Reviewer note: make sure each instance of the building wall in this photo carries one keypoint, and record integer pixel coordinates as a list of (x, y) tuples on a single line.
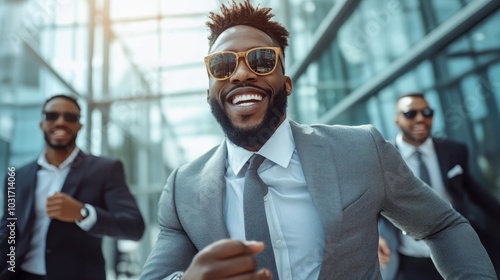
[(449, 50)]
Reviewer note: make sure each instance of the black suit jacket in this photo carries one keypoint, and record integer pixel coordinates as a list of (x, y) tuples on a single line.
[(462, 188), (466, 196), (72, 253)]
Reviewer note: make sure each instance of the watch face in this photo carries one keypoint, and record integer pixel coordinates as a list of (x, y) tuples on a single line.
[(84, 212)]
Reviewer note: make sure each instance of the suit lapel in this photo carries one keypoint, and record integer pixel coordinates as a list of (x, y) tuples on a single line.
[(75, 175), (317, 159), (213, 190), (443, 158)]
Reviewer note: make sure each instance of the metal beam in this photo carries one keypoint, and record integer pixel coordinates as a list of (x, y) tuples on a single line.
[(149, 97), (324, 35), (90, 73), (49, 67), (158, 17), (439, 38)]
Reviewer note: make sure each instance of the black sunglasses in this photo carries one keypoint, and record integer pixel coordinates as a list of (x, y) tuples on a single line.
[(411, 114), (262, 61), (68, 117)]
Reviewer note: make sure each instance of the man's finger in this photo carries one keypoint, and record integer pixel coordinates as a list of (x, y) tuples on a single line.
[(255, 246), (240, 264), (228, 248), (54, 199), (53, 213)]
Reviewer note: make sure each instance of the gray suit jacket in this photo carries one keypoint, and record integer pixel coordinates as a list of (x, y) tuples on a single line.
[(352, 174)]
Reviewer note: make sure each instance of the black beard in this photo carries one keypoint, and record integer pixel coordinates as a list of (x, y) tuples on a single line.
[(67, 146), (413, 139), (258, 135)]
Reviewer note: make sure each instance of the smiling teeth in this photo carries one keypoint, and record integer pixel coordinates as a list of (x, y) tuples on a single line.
[(60, 132), (419, 127), (246, 98)]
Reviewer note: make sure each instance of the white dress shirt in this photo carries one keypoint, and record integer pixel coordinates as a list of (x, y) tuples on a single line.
[(50, 180), (410, 246), (295, 228)]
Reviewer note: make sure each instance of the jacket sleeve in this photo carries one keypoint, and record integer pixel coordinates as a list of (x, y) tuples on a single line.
[(119, 217), (478, 194), (173, 250)]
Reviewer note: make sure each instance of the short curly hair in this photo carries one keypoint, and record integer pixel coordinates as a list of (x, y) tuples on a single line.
[(63, 96), (246, 14)]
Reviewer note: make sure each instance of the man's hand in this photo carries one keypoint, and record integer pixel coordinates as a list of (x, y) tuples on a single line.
[(63, 207), (384, 252), (227, 259)]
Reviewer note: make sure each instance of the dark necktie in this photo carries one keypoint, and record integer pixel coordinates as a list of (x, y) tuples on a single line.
[(423, 173), (256, 227)]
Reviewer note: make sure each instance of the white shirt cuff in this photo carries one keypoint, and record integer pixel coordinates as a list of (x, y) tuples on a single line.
[(87, 223)]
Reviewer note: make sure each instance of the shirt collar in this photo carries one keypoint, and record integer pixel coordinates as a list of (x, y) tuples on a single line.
[(42, 160), (278, 149), (406, 149)]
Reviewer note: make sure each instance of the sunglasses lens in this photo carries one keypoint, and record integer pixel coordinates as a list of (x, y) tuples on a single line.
[(410, 114), (70, 117), (428, 113), (49, 116), (262, 61), (222, 65)]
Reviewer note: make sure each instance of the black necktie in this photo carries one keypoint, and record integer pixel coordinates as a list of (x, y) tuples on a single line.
[(423, 173), (256, 227)]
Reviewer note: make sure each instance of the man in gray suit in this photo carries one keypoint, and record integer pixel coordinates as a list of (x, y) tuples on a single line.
[(323, 186)]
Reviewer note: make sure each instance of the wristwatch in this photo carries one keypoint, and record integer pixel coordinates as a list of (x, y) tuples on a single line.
[(84, 212), (178, 276)]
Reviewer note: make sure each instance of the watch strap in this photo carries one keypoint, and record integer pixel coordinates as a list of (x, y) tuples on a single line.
[(178, 275)]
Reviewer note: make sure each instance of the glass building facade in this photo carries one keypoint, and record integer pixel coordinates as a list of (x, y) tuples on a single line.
[(382, 49), (137, 69)]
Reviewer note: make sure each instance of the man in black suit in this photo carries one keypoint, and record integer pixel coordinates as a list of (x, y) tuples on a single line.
[(66, 201), (444, 167)]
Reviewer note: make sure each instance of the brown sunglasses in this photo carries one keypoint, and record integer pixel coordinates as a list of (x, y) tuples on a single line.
[(262, 61)]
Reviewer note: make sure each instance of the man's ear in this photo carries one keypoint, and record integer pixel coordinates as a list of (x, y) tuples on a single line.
[(288, 85), (396, 116)]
